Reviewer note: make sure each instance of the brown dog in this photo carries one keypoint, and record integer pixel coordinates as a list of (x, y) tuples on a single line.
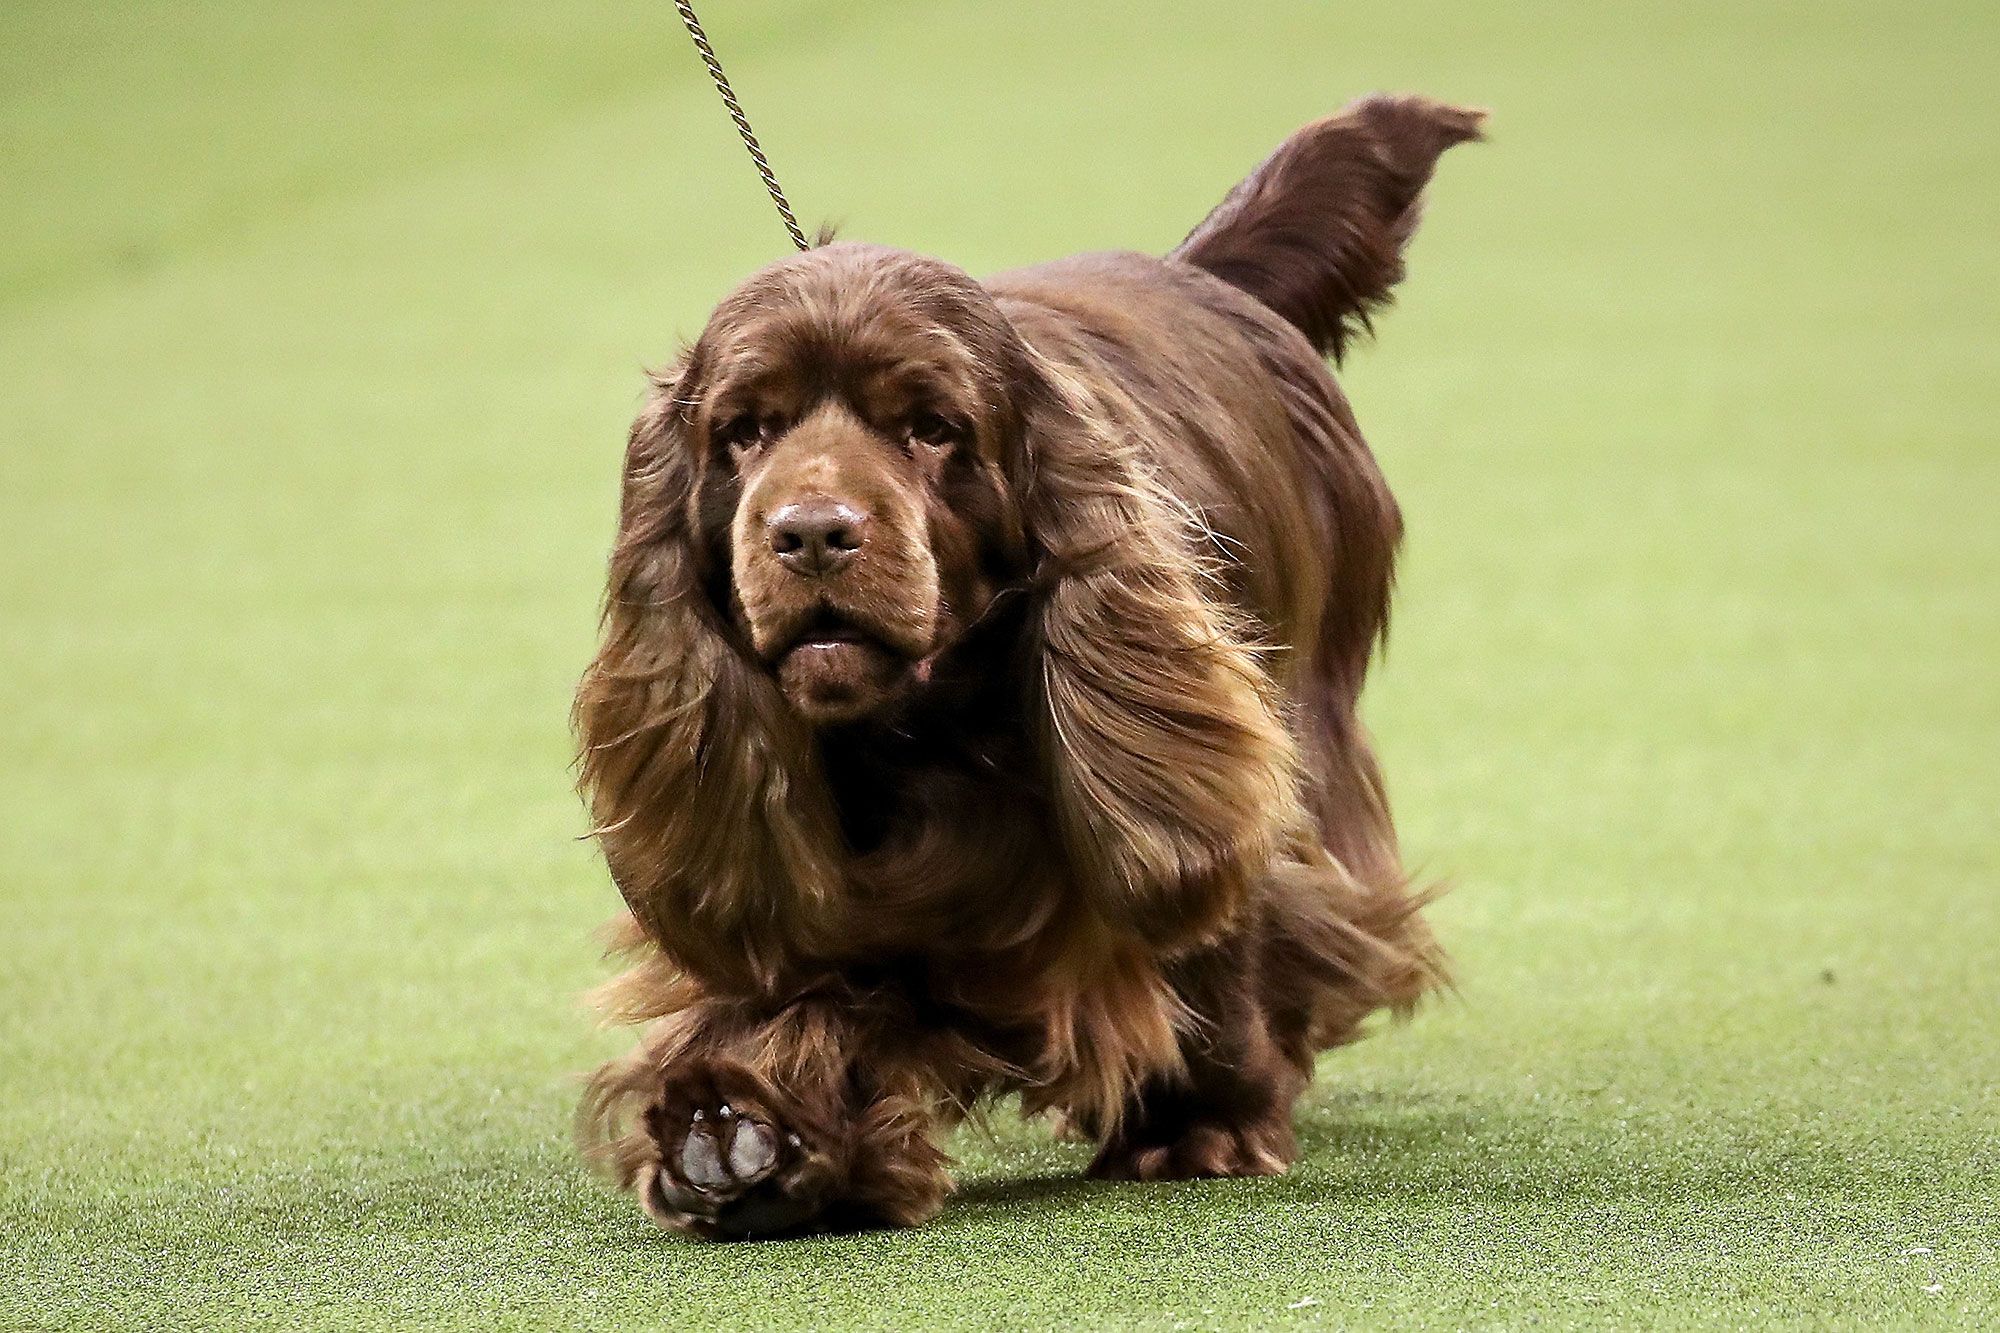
[(976, 707)]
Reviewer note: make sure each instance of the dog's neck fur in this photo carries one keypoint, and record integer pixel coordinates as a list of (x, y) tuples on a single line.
[(965, 727)]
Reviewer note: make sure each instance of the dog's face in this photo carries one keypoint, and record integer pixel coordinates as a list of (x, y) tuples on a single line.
[(852, 413)]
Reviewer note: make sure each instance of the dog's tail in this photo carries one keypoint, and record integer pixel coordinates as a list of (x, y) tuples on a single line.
[(1317, 232)]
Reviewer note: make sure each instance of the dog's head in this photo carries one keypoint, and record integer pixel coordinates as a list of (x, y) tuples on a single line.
[(857, 457), (847, 422)]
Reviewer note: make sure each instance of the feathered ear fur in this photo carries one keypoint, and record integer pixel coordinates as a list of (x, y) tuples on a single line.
[(714, 820), (1173, 777), (1317, 232)]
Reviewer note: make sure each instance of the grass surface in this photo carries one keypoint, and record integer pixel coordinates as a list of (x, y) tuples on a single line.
[(318, 334)]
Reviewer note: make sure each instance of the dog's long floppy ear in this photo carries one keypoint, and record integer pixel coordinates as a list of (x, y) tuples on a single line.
[(1317, 232), (711, 811), (1174, 778)]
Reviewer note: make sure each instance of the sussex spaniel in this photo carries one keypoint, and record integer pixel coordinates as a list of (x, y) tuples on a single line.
[(976, 706)]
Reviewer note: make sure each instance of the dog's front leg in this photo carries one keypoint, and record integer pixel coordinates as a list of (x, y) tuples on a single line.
[(809, 1117)]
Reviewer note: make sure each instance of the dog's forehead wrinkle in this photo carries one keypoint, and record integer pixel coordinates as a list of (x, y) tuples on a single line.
[(746, 361), (870, 375)]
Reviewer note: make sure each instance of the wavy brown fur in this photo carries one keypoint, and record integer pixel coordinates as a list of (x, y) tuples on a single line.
[(1317, 232), (975, 711)]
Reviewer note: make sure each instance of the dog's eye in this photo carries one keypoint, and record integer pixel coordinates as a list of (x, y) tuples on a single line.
[(934, 430), (746, 430)]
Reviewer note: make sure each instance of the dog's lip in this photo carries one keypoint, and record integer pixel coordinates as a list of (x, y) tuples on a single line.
[(828, 629), (829, 637)]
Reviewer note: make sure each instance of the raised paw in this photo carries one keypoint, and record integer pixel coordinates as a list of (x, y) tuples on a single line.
[(1202, 1149), (736, 1158)]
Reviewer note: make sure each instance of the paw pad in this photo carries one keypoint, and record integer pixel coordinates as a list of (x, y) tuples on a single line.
[(728, 1151)]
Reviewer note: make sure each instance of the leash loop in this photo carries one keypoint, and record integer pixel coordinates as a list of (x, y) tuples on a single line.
[(735, 109)]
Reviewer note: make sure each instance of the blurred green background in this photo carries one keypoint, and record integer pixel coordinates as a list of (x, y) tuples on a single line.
[(319, 329)]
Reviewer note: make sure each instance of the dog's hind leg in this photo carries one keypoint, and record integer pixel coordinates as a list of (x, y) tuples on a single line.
[(1229, 1111), (1316, 955)]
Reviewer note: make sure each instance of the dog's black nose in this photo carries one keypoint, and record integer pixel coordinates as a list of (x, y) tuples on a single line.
[(815, 536)]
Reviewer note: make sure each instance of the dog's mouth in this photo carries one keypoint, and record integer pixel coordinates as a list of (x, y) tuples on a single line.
[(833, 668), (827, 629)]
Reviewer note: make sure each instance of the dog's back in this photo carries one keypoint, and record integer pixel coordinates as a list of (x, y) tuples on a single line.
[(1315, 238), (1216, 354)]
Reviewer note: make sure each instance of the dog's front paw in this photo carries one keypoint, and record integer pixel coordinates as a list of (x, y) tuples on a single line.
[(736, 1157)]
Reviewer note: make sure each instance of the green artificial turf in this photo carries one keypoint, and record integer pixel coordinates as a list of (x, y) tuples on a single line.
[(318, 334)]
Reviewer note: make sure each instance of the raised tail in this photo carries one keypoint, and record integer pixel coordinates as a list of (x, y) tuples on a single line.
[(1317, 232)]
